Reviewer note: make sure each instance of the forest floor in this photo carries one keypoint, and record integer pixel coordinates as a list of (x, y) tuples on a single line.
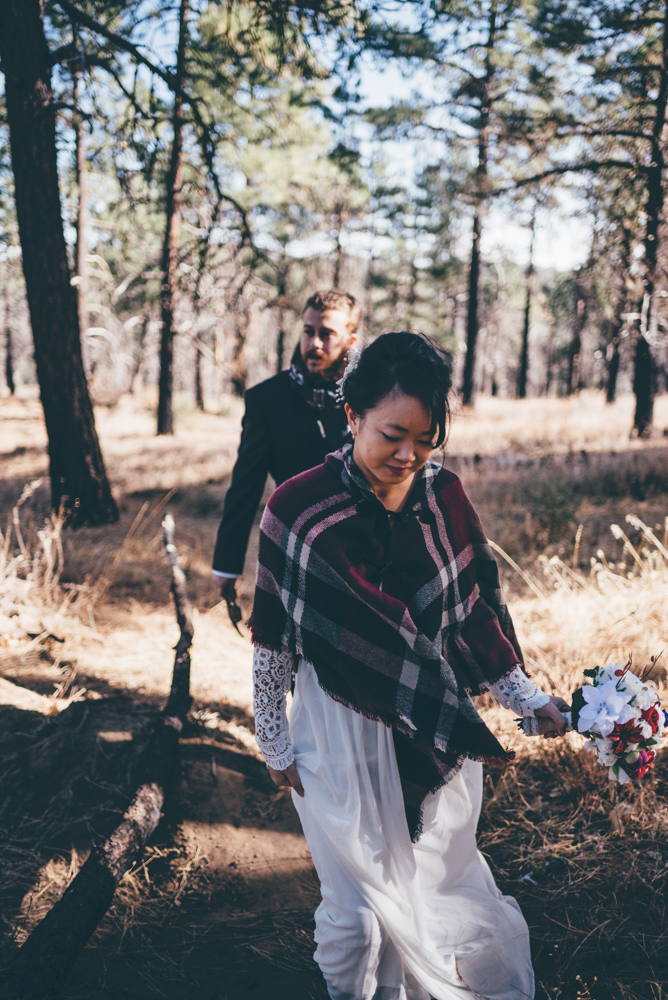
[(221, 905)]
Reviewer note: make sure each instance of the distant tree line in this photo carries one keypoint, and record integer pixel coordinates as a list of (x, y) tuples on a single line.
[(175, 177)]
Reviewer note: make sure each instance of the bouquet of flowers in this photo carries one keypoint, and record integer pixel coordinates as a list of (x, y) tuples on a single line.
[(621, 717)]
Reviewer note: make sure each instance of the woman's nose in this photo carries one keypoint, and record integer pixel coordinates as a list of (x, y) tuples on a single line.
[(405, 451)]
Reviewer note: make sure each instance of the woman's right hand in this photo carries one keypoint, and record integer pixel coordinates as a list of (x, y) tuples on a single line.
[(554, 710), (289, 778)]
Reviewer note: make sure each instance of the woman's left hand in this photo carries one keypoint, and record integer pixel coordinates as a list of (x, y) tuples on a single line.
[(554, 710)]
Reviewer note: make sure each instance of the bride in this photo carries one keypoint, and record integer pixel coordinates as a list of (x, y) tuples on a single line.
[(377, 588)]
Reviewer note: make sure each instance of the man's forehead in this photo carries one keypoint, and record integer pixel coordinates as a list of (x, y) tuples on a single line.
[(326, 317)]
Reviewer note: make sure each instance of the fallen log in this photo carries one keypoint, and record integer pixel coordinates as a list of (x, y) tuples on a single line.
[(44, 960)]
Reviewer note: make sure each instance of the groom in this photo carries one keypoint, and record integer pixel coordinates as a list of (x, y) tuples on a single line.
[(291, 422)]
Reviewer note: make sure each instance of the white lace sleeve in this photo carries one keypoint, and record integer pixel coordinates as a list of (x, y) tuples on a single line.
[(272, 673), (518, 692)]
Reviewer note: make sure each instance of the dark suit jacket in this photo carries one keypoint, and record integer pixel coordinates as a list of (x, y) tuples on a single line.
[(282, 435)]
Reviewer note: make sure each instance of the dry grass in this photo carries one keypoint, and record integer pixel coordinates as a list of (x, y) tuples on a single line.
[(534, 427), (587, 861)]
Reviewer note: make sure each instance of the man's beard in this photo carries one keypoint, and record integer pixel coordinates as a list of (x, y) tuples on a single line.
[(331, 374)]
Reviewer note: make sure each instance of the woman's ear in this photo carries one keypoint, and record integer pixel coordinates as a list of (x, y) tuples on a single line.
[(353, 419)]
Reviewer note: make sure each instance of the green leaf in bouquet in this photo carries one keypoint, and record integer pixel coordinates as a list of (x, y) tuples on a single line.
[(591, 671), (649, 743), (577, 702)]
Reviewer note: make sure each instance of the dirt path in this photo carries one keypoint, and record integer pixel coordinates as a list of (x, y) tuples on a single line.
[(222, 904)]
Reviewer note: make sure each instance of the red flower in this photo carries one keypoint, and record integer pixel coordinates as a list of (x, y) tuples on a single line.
[(642, 765), (651, 715), (621, 736)]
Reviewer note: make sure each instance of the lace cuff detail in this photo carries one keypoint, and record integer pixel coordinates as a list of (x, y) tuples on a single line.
[(272, 674), (518, 692)]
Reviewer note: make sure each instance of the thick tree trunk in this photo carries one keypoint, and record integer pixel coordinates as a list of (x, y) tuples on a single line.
[(472, 322), (170, 250), (523, 373), (78, 477)]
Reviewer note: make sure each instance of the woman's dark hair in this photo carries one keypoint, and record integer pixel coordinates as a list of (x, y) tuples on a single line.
[(407, 361)]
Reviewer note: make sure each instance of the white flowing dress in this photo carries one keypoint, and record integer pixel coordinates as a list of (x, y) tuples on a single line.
[(398, 920)]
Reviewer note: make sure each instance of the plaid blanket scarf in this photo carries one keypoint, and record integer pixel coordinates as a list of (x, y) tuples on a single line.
[(402, 622)]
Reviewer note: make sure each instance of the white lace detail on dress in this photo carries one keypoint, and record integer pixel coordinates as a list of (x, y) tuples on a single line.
[(272, 674), (518, 692)]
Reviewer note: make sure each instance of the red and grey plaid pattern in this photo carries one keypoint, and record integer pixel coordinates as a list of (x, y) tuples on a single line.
[(409, 654)]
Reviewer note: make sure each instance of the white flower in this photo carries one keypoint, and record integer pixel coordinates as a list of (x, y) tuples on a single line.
[(607, 759), (645, 698), (605, 706), (622, 777), (645, 730), (631, 682)]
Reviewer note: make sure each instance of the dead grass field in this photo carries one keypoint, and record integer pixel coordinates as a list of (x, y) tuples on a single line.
[(221, 905)]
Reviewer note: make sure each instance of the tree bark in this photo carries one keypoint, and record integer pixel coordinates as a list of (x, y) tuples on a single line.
[(78, 477), (472, 323), (524, 353), (170, 250)]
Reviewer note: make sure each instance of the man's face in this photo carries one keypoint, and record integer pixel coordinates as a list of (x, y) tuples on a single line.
[(325, 339)]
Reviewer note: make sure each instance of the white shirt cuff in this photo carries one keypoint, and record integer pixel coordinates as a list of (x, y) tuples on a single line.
[(224, 576)]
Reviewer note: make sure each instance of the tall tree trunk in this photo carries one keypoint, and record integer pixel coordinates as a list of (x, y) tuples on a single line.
[(472, 313), (78, 476), (643, 381), (341, 217), (613, 371), (238, 361), (281, 302), (170, 250), (472, 323), (81, 254), (9, 352), (280, 343), (199, 396), (614, 337), (524, 353), (575, 346), (643, 387)]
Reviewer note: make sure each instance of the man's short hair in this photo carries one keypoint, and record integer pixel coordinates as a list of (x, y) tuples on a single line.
[(334, 298)]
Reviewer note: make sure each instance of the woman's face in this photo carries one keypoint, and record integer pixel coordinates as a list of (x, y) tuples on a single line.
[(393, 440)]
